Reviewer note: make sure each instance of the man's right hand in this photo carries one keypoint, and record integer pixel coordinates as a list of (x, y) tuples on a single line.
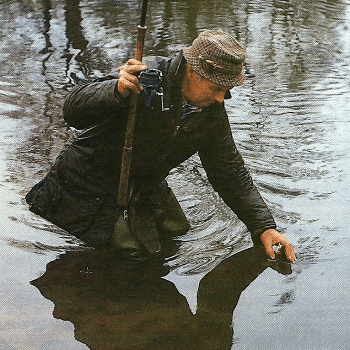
[(127, 81)]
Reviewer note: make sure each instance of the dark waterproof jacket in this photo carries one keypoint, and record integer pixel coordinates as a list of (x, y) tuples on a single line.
[(86, 174)]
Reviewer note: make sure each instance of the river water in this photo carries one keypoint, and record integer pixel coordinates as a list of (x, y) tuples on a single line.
[(290, 121)]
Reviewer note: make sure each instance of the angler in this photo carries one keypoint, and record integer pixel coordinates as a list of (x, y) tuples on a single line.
[(180, 111)]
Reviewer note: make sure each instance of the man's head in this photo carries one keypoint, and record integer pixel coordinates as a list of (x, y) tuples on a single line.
[(214, 66)]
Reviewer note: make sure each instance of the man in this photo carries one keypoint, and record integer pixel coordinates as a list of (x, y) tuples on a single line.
[(183, 113)]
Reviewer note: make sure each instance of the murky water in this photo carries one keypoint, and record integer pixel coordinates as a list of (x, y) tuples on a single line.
[(290, 121)]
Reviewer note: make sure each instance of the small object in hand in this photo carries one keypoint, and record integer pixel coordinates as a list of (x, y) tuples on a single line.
[(280, 264), (280, 253)]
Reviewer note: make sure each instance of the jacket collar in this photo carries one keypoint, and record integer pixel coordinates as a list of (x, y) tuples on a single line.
[(174, 76), (176, 69)]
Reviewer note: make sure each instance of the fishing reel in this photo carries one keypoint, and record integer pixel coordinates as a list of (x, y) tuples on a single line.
[(151, 80)]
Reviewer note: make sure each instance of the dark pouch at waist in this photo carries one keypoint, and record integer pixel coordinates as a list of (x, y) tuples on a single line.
[(157, 213)]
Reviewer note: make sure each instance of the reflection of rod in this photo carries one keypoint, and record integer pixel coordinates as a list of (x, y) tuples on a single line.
[(47, 19), (48, 49), (75, 37), (74, 30)]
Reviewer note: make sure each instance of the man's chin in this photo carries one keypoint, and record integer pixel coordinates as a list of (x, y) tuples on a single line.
[(202, 104)]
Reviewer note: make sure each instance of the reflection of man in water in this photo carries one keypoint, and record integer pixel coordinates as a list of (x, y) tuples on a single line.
[(182, 115), (115, 306)]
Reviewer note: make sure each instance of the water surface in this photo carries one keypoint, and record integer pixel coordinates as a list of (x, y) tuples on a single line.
[(290, 122)]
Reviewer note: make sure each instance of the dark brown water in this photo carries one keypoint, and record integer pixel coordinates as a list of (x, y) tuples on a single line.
[(290, 121)]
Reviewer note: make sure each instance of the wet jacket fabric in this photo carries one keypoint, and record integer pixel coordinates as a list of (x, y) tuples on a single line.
[(84, 180)]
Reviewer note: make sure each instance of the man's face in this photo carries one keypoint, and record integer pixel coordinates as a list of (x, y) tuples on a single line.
[(200, 91)]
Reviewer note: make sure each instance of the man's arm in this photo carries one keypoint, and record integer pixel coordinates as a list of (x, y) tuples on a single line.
[(89, 104), (229, 177)]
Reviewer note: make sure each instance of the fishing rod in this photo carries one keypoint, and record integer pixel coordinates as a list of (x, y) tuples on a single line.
[(122, 237), (127, 151)]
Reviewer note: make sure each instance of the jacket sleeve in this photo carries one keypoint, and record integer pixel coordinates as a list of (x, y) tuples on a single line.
[(230, 178), (90, 104)]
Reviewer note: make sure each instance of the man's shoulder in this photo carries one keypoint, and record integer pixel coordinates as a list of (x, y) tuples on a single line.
[(218, 117), (218, 109), (168, 65), (157, 62)]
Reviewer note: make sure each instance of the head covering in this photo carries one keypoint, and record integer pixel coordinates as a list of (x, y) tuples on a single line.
[(217, 56)]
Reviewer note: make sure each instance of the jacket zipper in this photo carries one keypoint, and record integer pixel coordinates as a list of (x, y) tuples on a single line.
[(176, 130), (178, 127), (188, 115)]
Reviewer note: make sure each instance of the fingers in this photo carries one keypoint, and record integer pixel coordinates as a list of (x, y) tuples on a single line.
[(133, 67), (133, 64), (271, 237), (128, 81), (289, 251), (269, 251)]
